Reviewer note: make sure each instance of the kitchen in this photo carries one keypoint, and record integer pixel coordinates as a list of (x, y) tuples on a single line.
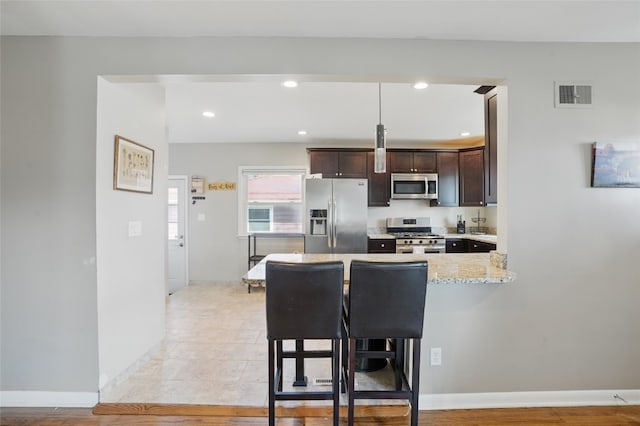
[(218, 246)]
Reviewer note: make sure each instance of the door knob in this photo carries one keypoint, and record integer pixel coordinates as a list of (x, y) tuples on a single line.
[(181, 245)]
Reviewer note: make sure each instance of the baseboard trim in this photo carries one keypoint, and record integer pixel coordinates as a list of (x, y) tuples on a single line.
[(528, 399), (426, 401), (302, 410), (48, 399)]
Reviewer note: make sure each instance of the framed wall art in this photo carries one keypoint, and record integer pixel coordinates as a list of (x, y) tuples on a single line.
[(132, 166), (616, 165)]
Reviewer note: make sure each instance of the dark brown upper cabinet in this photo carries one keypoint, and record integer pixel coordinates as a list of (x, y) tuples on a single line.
[(412, 161), (448, 179), (379, 184), (338, 163), (491, 147), (472, 177)]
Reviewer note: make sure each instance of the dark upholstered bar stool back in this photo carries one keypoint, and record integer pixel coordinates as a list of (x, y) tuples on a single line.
[(386, 300), (303, 301)]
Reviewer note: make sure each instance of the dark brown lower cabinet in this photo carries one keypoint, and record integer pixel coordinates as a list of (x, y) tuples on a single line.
[(480, 247), (382, 245), (457, 245), (463, 245)]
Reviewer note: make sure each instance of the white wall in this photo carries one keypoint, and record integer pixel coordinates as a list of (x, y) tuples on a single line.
[(131, 273), (48, 314), (570, 320)]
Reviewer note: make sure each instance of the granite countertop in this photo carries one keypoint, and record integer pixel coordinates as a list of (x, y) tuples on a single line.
[(486, 238), (460, 268), (381, 236)]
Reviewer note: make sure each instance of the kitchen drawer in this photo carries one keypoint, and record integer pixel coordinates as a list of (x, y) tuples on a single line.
[(457, 245), (387, 245)]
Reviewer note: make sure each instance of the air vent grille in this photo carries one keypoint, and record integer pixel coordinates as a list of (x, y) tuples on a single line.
[(573, 94), (322, 381)]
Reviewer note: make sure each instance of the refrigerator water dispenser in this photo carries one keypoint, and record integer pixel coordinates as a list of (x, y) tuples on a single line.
[(318, 225)]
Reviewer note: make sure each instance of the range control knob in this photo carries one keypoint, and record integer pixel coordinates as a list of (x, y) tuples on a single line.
[(420, 242)]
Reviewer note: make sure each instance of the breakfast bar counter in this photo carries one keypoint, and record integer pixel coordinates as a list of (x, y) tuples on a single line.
[(461, 268)]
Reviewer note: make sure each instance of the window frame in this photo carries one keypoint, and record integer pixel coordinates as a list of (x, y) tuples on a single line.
[(243, 171)]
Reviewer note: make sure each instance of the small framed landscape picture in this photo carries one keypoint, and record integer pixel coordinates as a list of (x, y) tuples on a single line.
[(132, 166), (616, 165)]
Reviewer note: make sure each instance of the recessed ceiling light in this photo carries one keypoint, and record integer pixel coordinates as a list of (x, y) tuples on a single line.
[(465, 134), (302, 132), (420, 85), (290, 83), (209, 114)]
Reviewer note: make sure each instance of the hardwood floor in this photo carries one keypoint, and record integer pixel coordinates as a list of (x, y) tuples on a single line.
[(567, 416)]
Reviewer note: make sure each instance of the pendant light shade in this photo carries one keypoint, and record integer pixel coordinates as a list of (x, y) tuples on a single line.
[(380, 153)]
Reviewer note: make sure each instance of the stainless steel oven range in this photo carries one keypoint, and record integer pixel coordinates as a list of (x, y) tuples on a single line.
[(413, 235)]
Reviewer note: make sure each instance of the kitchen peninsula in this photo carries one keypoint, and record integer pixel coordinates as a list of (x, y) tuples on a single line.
[(464, 268)]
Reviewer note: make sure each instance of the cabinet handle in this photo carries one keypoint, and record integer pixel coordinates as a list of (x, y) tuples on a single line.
[(381, 245)]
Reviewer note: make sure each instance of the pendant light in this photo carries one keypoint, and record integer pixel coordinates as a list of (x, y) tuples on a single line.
[(380, 155)]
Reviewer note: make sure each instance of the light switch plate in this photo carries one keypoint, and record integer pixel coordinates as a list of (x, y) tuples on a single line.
[(436, 356), (135, 228), (201, 217)]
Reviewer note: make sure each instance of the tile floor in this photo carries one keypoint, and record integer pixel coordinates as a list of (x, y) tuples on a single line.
[(215, 353)]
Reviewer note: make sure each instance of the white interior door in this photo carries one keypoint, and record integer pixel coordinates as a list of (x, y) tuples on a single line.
[(177, 226)]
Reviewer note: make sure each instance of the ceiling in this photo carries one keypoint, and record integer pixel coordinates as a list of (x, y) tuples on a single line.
[(503, 20), (328, 112), (265, 111)]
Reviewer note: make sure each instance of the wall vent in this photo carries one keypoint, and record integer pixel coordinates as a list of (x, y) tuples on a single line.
[(322, 381), (573, 94)]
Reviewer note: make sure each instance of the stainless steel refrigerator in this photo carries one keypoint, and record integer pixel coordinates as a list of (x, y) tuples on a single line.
[(336, 216)]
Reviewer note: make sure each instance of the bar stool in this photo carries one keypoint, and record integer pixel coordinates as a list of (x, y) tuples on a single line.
[(386, 300), (303, 301)]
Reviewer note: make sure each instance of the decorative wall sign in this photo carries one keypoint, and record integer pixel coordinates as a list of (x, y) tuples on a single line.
[(132, 166), (222, 186), (616, 165)]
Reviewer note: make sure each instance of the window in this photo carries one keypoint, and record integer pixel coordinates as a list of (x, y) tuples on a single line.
[(271, 200), (173, 213), (260, 218)]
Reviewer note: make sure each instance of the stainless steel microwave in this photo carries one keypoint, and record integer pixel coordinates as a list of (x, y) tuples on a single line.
[(414, 186)]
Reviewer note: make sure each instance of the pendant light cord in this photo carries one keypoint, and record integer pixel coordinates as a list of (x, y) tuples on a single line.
[(380, 102)]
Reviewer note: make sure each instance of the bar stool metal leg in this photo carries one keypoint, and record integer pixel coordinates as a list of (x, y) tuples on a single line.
[(415, 381), (272, 379), (336, 381), (351, 384)]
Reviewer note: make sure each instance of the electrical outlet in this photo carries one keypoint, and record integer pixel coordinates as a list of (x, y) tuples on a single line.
[(436, 356)]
